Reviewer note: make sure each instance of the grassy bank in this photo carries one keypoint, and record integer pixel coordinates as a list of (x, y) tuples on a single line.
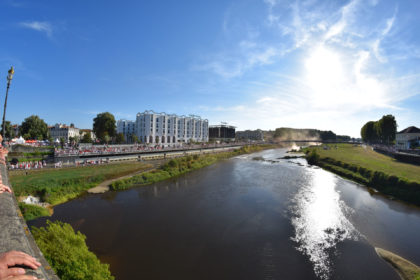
[(176, 167), (365, 166), (56, 186), (406, 269), (31, 212)]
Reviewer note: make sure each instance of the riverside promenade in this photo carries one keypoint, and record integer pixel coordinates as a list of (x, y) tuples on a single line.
[(14, 232)]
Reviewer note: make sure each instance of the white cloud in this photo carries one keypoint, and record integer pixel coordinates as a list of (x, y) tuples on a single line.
[(41, 26), (376, 44), (337, 82), (271, 3), (247, 55)]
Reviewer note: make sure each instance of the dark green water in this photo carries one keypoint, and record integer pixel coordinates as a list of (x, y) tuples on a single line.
[(246, 219)]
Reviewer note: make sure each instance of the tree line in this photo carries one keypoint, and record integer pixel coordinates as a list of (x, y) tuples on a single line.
[(35, 128), (382, 131)]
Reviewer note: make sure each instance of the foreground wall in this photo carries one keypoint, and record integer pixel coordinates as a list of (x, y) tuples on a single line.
[(15, 235)]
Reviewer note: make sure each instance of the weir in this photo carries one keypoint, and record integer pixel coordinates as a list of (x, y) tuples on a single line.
[(15, 234)]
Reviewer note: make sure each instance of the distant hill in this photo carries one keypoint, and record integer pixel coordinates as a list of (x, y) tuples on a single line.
[(287, 133)]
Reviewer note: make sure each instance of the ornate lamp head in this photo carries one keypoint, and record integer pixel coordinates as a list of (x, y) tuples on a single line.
[(10, 75)]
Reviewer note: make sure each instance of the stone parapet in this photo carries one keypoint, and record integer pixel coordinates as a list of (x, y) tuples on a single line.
[(14, 232)]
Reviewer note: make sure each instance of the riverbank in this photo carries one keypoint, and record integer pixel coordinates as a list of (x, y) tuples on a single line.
[(365, 166), (56, 186), (406, 269), (179, 166), (105, 185)]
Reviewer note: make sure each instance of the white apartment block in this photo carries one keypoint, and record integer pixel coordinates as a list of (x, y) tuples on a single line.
[(169, 129), (59, 131), (127, 128)]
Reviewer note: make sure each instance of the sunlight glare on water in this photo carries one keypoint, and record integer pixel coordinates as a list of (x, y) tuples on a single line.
[(318, 216)]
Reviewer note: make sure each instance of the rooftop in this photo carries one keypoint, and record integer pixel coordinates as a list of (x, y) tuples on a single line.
[(410, 129)]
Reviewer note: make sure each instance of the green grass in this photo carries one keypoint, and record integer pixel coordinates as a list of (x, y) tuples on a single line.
[(57, 186), (31, 212), (176, 167), (369, 159), (363, 165)]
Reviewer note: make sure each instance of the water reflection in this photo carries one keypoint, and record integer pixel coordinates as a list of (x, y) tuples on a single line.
[(319, 219)]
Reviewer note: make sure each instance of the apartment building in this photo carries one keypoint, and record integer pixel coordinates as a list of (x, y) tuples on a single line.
[(166, 129)]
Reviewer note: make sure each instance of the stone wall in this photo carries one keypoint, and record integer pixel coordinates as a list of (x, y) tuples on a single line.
[(15, 234)]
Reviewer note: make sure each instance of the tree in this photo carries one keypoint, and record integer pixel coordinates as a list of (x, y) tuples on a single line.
[(34, 127), (68, 254), (327, 135), (104, 125), (73, 140), (387, 126), (120, 138), (9, 130), (62, 142), (369, 132), (134, 138), (382, 131), (87, 138)]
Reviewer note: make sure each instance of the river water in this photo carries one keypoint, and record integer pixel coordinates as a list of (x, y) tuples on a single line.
[(246, 219)]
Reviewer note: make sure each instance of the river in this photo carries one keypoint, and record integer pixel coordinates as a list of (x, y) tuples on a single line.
[(246, 219)]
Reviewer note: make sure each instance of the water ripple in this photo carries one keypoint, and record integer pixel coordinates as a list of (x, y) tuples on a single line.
[(319, 219)]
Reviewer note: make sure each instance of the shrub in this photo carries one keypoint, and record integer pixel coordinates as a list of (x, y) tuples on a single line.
[(312, 157), (67, 253), (172, 163)]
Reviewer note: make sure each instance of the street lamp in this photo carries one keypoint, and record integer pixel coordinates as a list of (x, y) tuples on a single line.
[(9, 79)]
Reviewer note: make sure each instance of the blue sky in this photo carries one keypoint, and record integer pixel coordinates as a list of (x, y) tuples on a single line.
[(252, 63)]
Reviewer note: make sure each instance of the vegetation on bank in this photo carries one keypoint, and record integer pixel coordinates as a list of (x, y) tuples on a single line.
[(365, 166), (56, 186), (20, 153), (30, 211), (406, 269), (66, 251), (176, 167)]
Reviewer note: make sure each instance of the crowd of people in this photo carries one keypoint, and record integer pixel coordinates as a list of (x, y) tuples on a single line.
[(123, 149), (28, 165), (389, 149)]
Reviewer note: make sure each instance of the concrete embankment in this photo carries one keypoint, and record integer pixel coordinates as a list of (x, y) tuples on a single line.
[(15, 235), (141, 155)]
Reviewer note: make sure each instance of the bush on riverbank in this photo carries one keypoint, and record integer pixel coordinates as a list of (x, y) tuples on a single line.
[(179, 166), (393, 185), (66, 251), (56, 186), (31, 212), (312, 157)]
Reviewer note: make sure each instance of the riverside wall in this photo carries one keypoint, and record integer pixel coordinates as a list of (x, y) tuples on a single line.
[(15, 234), (144, 155)]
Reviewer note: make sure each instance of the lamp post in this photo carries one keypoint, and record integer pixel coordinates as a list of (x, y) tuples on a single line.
[(9, 79)]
